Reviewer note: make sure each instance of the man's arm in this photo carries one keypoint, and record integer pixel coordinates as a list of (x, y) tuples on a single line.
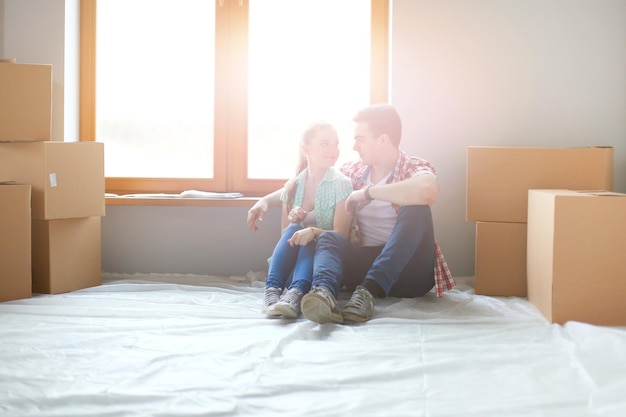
[(421, 189), (258, 210)]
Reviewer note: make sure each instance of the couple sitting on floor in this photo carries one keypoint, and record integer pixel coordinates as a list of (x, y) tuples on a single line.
[(390, 250)]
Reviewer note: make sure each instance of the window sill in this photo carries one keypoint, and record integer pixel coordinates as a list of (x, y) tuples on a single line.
[(182, 202)]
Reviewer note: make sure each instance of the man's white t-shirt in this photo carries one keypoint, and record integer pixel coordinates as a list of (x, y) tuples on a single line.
[(376, 220)]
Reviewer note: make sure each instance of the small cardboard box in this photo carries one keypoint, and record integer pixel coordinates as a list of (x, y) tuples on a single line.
[(15, 229), (576, 259), (67, 254), (67, 178), (498, 178), (501, 259), (25, 102)]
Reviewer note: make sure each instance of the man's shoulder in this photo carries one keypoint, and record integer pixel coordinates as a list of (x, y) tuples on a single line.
[(416, 160), (353, 168), (415, 163)]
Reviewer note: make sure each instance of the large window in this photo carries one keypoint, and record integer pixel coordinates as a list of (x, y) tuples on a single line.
[(214, 95)]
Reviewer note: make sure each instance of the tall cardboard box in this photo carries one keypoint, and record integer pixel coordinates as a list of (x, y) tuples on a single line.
[(25, 102), (498, 178), (67, 178), (15, 240), (500, 259), (67, 254), (576, 258)]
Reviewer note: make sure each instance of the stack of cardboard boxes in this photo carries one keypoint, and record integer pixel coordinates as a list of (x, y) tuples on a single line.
[(499, 183), (57, 186)]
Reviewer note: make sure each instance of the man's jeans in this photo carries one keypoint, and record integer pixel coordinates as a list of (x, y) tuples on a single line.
[(403, 267), (288, 261)]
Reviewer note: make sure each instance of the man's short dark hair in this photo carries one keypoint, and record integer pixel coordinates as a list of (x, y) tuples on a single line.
[(382, 119)]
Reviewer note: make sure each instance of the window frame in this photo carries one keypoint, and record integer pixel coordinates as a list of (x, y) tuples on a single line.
[(230, 131)]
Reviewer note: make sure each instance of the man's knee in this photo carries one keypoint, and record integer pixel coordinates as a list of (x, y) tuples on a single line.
[(421, 211)]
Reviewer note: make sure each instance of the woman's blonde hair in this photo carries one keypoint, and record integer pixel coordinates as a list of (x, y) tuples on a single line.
[(305, 139)]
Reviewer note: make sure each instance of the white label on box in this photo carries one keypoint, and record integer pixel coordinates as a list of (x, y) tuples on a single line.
[(53, 180)]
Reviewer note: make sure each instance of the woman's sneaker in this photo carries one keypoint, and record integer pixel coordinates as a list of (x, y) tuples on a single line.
[(270, 298), (289, 304), (321, 307)]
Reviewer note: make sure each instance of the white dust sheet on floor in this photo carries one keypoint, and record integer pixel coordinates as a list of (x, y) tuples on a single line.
[(181, 345)]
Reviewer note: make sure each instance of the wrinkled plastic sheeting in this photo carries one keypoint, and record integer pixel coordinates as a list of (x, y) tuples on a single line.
[(181, 345)]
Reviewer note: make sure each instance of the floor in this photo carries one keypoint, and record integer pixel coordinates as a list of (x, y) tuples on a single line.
[(183, 345)]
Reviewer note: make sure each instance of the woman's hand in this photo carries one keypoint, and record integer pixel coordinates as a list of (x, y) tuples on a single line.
[(258, 210), (297, 215), (256, 213)]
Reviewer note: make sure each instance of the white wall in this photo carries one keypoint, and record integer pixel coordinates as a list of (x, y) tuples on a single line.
[(192, 240), (71, 72), (34, 31), (2, 36), (494, 72), (479, 72)]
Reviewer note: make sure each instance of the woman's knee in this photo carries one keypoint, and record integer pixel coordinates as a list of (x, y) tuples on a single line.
[(291, 229), (330, 239)]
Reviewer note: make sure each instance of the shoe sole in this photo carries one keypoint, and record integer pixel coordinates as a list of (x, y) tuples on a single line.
[(314, 308), (286, 311), (353, 318), (272, 313)]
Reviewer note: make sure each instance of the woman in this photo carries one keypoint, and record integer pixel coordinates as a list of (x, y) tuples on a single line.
[(317, 195)]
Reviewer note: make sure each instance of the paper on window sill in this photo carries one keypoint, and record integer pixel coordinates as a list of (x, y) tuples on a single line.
[(184, 194), (208, 194)]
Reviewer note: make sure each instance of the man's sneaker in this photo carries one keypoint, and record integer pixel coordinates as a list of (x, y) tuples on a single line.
[(270, 298), (320, 306), (360, 307), (289, 304)]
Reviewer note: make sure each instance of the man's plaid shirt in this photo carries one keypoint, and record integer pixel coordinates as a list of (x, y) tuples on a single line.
[(405, 168)]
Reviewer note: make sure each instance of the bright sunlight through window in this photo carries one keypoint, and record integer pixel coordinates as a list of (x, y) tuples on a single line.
[(155, 76), (308, 60)]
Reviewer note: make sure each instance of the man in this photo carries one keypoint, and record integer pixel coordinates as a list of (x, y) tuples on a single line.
[(395, 253)]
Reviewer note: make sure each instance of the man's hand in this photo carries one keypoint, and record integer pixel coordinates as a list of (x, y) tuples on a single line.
[(356, 199), (256, 212), (302, 237)]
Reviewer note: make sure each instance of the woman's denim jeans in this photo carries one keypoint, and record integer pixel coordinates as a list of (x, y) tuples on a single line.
[(403, 267), (287, 262)]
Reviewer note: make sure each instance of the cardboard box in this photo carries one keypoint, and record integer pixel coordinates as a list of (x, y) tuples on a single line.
[(576, 256), (67, 254), (67, 178), (501, 259), (25, 102), (498, 178), (15, 229)]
